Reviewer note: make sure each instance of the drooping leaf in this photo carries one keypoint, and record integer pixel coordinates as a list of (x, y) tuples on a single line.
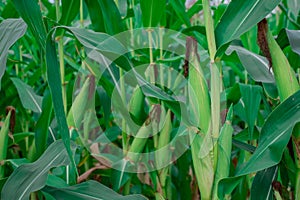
[(275, 134), (90, 190), (294, 38), (10, 31), (240, 16), (30, 12), (31, 177), (256, 65), (29, 99)]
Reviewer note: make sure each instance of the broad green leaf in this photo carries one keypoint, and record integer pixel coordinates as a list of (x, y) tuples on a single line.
[(30, 12), (3, 142), (256, 65), (262, 187), (31, 177), (54, 82), (275, 134), (251, 97), (42, 125), (70, 9), (294, 38), (29, 99), (90, 190), (10, 31), (152, 11), (240, 16)]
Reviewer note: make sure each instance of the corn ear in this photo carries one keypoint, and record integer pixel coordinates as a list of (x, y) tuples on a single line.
[(284, 75), (76, 113), (215, 100), (136, 106), (199, 101), (142, 136), (164, 155), (3, 143), (203, 166)]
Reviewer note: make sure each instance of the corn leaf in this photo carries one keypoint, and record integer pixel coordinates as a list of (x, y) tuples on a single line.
[(29, 99), (54, 83), (262, 187), (256, 65), (31, 177), (294, 39), (90, 190), (251, 97), (42, 125), (11, 31), (275, 134), (240, 16), (31, 14)]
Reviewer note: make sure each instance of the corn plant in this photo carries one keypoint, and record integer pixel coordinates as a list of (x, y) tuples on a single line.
[(149, 99)]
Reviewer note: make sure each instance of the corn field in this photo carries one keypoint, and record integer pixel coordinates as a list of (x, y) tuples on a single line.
[(149, 99)]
